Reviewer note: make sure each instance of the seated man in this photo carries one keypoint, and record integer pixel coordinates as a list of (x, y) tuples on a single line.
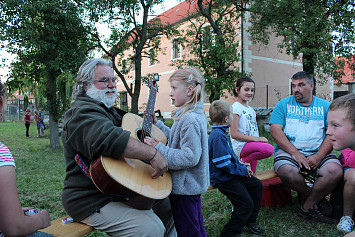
[(92, 128), (298, 125)]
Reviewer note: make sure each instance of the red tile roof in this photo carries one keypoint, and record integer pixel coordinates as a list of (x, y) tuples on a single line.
[(178, 13), (349, 74), (17, 95)]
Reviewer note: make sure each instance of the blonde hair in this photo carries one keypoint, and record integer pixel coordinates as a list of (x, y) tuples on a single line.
[(347, 103), (219, 109), (189, 77)]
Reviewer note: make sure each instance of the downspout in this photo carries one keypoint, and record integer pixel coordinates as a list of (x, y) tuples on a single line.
[(242, 39)]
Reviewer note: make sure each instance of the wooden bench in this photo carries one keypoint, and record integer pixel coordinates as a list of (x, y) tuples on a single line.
[(262, 175), (76, 229)]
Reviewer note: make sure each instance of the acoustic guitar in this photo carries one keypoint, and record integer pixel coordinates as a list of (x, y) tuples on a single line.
[(129, 180)]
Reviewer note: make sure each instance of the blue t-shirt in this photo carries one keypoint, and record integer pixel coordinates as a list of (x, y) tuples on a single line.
[(304, 126)]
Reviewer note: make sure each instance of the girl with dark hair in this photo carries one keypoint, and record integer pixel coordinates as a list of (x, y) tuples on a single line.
[(247, 144)]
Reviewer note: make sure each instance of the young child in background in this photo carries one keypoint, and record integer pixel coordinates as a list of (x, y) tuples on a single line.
[(232, 178), (14, 220), (341, 131), (39, 124), (27, 120), (187, 151), (41, 119), (247, 144)]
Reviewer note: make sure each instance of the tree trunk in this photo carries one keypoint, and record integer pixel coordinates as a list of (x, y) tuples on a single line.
[(52, 109), (308, 66), (137, 84)]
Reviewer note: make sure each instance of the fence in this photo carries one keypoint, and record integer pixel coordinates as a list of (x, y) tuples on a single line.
[(15, 109), (268, 96)]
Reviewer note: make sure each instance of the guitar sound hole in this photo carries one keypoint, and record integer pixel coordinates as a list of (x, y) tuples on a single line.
[(141, 134)]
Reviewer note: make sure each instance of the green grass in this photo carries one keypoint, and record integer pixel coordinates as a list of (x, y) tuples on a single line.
[(40, 175)]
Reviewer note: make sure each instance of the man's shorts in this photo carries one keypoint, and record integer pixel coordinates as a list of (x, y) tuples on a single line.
[(282, 158)]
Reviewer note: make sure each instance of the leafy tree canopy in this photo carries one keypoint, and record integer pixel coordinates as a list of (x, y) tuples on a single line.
[(130, 30), (318, 30), (50, 40), (213, 41)]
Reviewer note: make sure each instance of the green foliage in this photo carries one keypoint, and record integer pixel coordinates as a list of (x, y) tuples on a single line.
[(318, 30), (130, 30), (168, 122), (212, 40), (50, 40)]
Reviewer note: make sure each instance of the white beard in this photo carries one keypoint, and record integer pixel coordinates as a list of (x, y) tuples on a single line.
[(101, 95)]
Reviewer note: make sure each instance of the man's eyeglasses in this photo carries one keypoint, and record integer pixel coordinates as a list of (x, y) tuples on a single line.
[(107, 80)]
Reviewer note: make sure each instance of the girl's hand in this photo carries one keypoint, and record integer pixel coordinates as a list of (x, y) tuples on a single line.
[(151, 141), (45, 218), (250, 173), (263, 139), (155, 120), (26, 209)]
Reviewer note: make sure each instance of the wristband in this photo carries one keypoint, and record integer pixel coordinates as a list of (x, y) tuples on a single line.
[(156, 150)]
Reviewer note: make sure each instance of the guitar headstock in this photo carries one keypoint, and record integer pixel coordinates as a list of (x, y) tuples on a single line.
[(153, 82)]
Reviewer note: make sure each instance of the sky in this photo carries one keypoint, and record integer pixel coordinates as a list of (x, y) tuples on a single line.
[(6, 58)]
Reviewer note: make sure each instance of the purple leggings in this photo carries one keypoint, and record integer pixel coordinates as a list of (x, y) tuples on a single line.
[(187, 215), (254, 151)]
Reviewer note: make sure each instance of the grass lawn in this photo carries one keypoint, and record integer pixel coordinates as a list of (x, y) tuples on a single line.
[(40, 175)]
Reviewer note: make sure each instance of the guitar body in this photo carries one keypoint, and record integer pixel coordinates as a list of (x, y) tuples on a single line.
[(131, 178), (133, 123)]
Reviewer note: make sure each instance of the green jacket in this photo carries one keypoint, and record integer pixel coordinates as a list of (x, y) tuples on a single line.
[(90, 130)]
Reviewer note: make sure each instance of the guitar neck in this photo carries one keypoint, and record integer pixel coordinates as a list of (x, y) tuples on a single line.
[(148, 117)]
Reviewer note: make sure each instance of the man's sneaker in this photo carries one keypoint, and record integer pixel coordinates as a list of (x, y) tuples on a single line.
[(254, 228), (314, 214), (325, 207), (345, 224)]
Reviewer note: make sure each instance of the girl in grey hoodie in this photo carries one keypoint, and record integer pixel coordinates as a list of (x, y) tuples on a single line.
[(186, 151)]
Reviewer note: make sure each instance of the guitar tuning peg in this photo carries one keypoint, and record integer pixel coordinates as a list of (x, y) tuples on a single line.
[(156, 77)]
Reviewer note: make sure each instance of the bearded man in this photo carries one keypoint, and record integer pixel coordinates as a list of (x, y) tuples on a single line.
[(92, 128), (298, 125)]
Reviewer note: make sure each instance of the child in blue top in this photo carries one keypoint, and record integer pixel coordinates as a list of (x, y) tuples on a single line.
[(187, 151), (232, 178)]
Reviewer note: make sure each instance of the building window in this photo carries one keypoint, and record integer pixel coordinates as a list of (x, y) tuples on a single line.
[(176, 49), (152, 57), (123, 100), (132, 65), (124, 68), (208, 38)]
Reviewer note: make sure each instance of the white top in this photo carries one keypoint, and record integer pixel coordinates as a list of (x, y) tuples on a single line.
[(5, 159), (6, 156), (247, 125)]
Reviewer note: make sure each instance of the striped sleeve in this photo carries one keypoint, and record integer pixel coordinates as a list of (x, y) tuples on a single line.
[(222, 159), (6, 156)]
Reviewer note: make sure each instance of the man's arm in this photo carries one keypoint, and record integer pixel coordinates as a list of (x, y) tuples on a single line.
[(138, 150), (282, 141), (324, 150)]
